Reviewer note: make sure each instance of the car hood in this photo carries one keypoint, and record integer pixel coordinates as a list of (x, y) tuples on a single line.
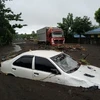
[(86, 76)]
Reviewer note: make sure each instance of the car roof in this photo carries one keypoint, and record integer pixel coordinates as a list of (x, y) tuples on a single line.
[(42, 53)]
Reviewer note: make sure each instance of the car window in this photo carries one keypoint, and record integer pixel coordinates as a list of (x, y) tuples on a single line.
[(44, 64), (65, 62), (24, 61)]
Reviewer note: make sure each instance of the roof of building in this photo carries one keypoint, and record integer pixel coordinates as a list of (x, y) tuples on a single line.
[(94, 31), (78, 36)]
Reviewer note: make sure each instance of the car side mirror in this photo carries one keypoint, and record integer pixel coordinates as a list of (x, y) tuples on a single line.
[(55, 71)]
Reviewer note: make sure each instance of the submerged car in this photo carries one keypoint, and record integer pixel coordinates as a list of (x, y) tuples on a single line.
[(52, 66)]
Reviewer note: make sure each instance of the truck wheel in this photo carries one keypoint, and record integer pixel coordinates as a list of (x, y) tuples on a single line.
[(47, 43)]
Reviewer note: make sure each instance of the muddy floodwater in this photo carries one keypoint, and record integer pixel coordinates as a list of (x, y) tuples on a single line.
[(17, 48), (13, 88)]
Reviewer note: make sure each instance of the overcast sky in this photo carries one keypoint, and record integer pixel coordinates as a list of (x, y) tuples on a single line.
[(40, 13)]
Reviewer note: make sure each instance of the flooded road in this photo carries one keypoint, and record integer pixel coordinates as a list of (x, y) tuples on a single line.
[(17, 48)]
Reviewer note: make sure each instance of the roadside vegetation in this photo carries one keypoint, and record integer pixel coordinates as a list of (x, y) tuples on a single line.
[(77, 25), (7, 30)]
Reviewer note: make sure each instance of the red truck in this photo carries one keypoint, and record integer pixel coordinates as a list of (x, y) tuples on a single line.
[(51, 35)]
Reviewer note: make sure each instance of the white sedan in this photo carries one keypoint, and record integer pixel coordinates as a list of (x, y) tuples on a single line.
[(52, 66)]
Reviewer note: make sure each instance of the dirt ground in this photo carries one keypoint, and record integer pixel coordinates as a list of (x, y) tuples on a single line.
[(12, 88)]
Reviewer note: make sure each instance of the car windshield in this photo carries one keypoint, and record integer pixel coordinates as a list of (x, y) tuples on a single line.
[(57, 34), (65, 62)]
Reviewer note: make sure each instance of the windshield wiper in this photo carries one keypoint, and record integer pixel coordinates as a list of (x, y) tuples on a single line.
[(72, 70)]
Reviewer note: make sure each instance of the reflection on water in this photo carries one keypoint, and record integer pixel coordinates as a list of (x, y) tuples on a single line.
[(17, 48)]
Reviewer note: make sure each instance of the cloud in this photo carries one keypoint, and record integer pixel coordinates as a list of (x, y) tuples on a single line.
[(39, 13)]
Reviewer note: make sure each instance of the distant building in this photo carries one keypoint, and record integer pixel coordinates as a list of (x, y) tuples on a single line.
[(77, 37), (93, 36)]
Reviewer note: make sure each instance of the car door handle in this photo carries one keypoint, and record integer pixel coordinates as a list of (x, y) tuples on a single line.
[(36, 73), (14, 68)]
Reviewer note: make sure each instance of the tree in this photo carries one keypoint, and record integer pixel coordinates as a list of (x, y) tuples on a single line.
[(97, 16), (81, 25), (6, 29), (66, 25)]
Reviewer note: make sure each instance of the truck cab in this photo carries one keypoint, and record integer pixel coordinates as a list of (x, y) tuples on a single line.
[(55, 36)]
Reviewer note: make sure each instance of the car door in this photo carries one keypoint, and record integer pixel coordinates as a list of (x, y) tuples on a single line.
[(45, 71), (22, 67)]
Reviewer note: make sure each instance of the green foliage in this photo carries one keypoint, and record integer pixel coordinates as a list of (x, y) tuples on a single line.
[(7, 38), (18, 25), (31, 36), (84, 62), (94, 27), (81, 25), (67, 24), (6, 29), (97, 16), (78, 25)]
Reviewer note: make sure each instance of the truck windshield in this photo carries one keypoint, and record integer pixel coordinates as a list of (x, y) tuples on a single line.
[(57, 34), (65, 62)]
